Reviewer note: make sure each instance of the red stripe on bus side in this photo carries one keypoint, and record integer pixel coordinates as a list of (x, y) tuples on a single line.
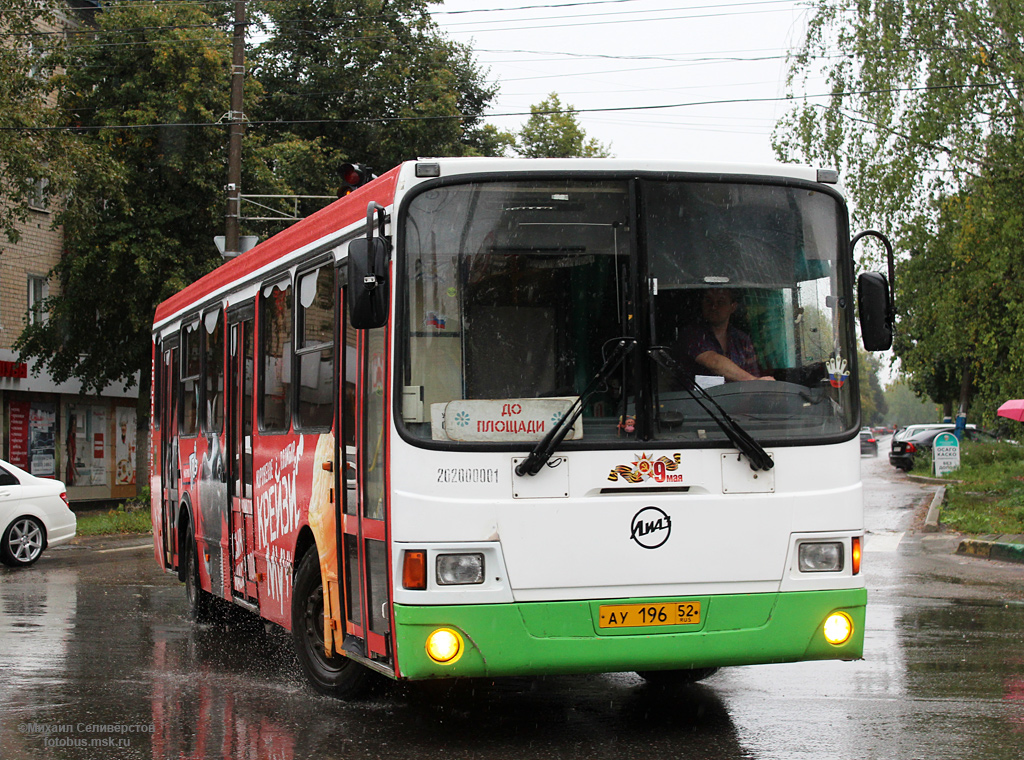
[(337, 216)]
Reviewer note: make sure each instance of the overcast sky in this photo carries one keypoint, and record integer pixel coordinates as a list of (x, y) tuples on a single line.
[(634, 54)]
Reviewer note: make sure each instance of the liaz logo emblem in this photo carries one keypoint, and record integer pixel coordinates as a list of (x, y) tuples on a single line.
[(646, 467), (650, 528)]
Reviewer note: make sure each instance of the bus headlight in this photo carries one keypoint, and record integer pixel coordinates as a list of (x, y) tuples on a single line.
[(820, 557), (838, 628), (459, 569), (444, 646)]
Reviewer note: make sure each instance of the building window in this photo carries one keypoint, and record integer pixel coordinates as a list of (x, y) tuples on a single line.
[(38, 291), (39, 200)]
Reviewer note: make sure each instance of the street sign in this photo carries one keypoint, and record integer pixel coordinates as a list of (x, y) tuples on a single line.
[(945, 453)]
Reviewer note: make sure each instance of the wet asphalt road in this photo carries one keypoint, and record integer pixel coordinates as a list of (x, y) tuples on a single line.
[(98, 661)]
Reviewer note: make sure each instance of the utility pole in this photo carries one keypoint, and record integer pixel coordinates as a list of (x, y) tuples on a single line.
[(236, 129)]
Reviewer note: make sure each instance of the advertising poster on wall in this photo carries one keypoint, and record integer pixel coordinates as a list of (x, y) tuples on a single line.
[(18, 434), (85, 446), (124, 444), (42, 442)]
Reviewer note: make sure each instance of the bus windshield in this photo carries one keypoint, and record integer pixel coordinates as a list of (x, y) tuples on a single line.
[(513, 293)]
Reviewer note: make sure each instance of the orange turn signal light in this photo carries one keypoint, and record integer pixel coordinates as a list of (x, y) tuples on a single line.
[(414, 570), (855, 555)]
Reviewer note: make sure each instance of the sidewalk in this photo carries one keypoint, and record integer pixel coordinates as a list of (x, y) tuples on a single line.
[(998, 546)]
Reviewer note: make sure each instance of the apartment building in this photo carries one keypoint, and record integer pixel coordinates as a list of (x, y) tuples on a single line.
[(53, 429)]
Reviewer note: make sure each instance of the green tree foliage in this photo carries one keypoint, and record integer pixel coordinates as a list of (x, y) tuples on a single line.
[(959, 295), (906, 407), (924, 120), (553, 131), (144, 91), (142, 229), (918, 89), (873, 403), (368, 81)]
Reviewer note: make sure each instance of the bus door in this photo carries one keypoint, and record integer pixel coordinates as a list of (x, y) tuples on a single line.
[(241, 363), (168, 404), (363, 404)]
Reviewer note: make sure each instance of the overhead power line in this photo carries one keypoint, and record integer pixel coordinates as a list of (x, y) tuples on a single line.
[(607, 109)]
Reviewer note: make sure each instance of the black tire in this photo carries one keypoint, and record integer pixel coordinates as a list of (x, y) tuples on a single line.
[(338, 676), (670, 678), (200, 602), (23, 542)]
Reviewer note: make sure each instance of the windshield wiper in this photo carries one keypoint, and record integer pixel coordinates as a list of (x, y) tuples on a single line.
[(757, 456), (541, 453)]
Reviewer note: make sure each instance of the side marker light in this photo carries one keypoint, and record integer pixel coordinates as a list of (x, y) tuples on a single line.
[(414, 570)]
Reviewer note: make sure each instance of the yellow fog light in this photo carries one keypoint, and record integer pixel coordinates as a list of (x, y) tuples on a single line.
[(838, 628), (444, 646)]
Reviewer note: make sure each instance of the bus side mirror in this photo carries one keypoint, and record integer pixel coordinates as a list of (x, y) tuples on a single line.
[(368, 287), (875, 309), (876, 298)]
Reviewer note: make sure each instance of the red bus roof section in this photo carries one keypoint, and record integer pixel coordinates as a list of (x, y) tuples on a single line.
[(338, 215)]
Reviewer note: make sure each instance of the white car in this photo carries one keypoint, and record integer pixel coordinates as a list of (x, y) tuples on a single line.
[(34, 514)]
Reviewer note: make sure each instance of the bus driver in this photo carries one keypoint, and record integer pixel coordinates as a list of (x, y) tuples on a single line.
[(716, 345)]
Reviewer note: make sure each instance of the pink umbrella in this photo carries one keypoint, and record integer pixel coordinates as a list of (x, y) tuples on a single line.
[(1014, 409)]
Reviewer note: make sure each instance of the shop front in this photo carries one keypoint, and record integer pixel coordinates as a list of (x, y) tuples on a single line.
[(52, 430)]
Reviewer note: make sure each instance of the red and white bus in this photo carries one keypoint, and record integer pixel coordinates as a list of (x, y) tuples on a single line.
[(464, 422)]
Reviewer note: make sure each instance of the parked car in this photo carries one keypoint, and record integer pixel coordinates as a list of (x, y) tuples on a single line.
[(34, 514), (910, 430), (904, 451), (868, 442)]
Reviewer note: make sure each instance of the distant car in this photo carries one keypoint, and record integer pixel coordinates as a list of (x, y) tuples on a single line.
[(34, 514), (903, 451), (868, 442)]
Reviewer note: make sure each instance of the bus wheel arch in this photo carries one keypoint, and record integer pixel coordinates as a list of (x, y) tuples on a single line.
[(304, 543), (185, 527), (201, 604)]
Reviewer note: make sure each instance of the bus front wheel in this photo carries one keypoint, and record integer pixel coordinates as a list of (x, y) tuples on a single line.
[(669, 678), (336, 676)]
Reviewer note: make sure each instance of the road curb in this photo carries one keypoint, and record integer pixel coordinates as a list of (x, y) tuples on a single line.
[(1004, 551), (934, 481), (931, 521)]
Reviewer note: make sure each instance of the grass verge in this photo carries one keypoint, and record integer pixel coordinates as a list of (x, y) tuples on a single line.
[(131, 517), (990, 498)]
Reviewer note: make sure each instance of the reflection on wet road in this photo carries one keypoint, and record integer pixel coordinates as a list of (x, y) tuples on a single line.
[(98, 661)]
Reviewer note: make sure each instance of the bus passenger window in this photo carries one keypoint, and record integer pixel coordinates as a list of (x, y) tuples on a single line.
[(275, 402), (315, 349), (213, 372), (191, 371)]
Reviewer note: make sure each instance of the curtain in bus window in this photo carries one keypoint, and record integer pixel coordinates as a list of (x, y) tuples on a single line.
[(276, 346), (214, 372), (191, 372), (315, 351)]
